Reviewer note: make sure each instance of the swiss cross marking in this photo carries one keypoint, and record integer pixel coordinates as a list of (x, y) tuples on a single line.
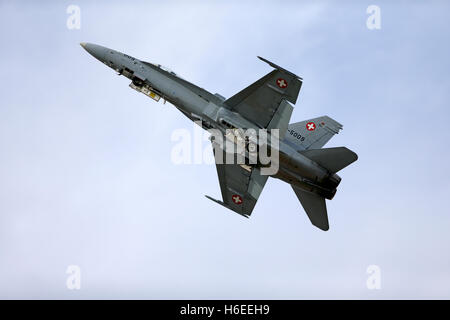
[(237, 199), (281, 83), (310, 126)]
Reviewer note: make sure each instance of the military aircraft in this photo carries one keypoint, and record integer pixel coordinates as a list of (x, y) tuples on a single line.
[(264, 105)]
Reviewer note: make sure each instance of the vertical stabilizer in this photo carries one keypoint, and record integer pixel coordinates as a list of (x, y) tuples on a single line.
[(312, 133)]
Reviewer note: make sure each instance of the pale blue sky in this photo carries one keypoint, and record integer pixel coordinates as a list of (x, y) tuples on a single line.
[(86, 177)]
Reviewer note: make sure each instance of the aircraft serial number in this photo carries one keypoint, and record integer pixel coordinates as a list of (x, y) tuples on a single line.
[(297, 135)]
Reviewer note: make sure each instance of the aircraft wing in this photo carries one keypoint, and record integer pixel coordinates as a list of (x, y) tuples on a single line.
[(260, 101), (241, 186)]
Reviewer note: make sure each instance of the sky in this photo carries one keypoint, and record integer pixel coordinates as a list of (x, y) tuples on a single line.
[(86, 177)]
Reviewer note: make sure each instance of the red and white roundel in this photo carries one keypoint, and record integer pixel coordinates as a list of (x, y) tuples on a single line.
[(281, 83), (236, 198), (310, 126)]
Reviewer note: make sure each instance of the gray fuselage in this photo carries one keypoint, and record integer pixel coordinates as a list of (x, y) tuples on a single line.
[(200, 105)]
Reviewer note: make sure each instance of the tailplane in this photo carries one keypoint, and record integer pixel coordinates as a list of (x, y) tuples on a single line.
[(332, 159), (315, 207), (308, 137)]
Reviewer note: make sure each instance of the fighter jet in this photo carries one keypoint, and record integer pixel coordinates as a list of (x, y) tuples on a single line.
[(267, 104)]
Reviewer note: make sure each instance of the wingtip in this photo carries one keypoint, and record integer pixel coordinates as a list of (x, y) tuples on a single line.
[(215, 200), (273, 65), (226, 206)]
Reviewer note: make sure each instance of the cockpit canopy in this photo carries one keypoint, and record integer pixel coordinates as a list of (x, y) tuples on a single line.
[(165, 69), (160, 66)]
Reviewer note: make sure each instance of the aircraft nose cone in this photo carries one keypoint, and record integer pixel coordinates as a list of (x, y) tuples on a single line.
[(96, 51)]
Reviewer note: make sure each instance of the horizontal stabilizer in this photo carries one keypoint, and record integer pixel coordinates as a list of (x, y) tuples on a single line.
[(333, 159), (315, 207)]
